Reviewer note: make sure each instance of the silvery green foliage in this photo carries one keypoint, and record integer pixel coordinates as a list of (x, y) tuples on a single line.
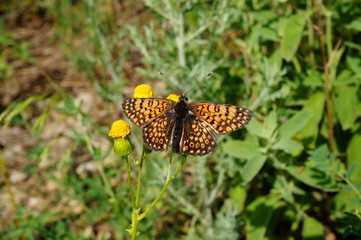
[(190, 30)]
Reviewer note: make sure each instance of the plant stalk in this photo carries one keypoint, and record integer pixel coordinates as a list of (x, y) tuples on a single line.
[(145, 213), (331, 139)]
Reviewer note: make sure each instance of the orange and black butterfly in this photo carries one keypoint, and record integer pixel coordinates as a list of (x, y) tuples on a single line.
[(189, 126)]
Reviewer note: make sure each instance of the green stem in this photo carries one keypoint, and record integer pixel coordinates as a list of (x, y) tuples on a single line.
[(169, 165), (143, 215), (140, 164), (130, 181), (180, 41), (135, 214), (328, 33), (135, 221), (326, 70), (310, 35)]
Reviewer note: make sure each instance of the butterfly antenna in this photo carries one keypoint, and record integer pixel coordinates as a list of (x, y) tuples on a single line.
[(199, 82), (166, 79)]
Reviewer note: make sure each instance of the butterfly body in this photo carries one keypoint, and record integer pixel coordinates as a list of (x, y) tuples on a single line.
[(181, 110), (189, 127)]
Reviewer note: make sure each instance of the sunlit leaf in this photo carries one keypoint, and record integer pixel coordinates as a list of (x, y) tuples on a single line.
[(313, 178), (252, 167), (353, 158), (295, 123), (238, 194), (316, 104), (312, 229), (241, 149), (287, 145), (346, 106), (259, 215), (292, 36)]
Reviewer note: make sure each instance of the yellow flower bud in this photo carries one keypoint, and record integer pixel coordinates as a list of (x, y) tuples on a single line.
[(173, 97), (120, 131), (143, 91), (122, 146)]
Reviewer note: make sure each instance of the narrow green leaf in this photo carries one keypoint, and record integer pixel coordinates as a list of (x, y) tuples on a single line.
[(312, 229), (315, 103), (337, 55), (355, 64), (255, 127), (252, 167), (346, 106), (292, 36), (287, 145), (350, 171), (353, 157), (320, 154), (356, 25), (313, 177), (346, 187), (238, 194), (313, 78), (295, 123), (345, 77), (17, 108), (276, 59), (343, 201), (268, 34), (270, 124), (259, 216), (241, 149)]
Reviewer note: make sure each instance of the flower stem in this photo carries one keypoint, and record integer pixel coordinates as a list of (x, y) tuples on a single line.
[(135, 219), (169, 165), (130, 181), (144, 214), (140, 164)]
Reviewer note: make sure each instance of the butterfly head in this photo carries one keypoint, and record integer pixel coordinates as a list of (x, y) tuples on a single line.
[(183, 97)]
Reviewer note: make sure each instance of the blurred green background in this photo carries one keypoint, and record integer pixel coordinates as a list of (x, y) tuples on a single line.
[(293, 173)]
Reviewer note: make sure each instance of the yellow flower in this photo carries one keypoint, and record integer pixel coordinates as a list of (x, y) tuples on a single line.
[(173, 97), (119, 129), (143, 91)]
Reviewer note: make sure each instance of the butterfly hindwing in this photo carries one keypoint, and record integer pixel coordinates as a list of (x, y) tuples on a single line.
[(141, 111), (197, 137), (223, 118), (157, 134)]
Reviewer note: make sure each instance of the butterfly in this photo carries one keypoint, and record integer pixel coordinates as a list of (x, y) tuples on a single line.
[(190, 127)]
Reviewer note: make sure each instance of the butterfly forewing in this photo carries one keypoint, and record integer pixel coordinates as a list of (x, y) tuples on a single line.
[(223, 118), (141, 111), (197, 137), (157, 134)]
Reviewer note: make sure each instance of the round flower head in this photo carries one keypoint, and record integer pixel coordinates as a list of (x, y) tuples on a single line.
[(173, 97), (143, 91), (120, 131)]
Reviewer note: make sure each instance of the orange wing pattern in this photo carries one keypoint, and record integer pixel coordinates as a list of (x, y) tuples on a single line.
[(141, 111), (197, 138), (158, 133), (223, 118)]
